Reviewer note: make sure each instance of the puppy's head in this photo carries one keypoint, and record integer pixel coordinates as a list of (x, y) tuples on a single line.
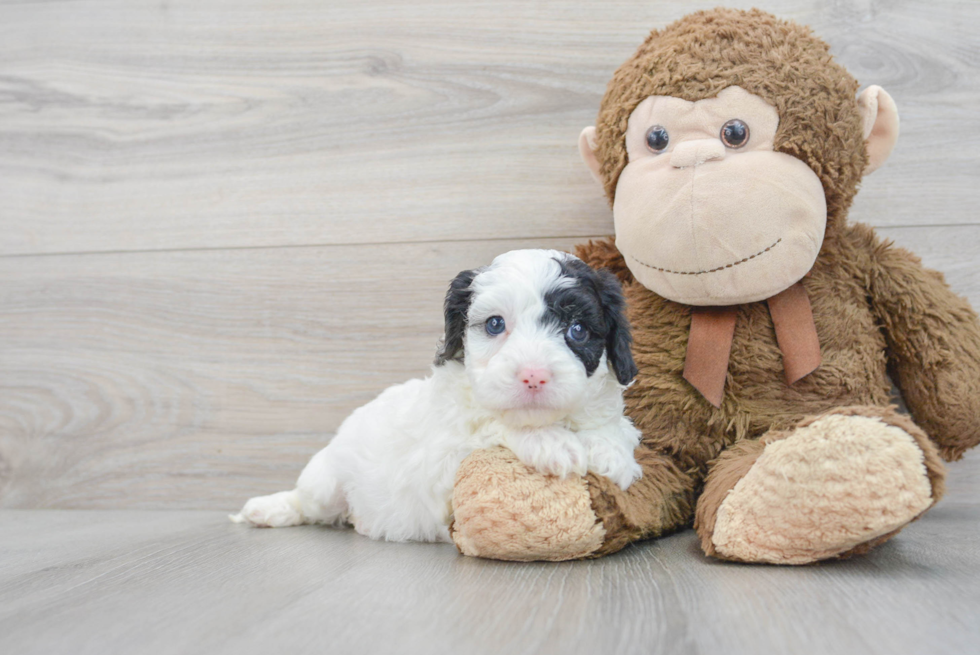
[(537, 331)]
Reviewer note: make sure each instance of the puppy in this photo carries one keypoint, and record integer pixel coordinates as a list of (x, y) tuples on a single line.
[(535, 358)]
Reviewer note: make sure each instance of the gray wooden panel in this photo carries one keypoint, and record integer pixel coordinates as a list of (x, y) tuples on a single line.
[(146, 126), (197, 379), (191, 582)]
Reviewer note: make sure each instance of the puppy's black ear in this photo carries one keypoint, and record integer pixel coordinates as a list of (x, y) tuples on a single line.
[(618, 339), (457, 307)]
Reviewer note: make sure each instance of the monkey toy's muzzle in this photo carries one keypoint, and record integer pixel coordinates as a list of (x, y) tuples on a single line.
[(719, 228)]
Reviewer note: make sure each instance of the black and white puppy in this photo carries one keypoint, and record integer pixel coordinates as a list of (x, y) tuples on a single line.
[(535, 358)]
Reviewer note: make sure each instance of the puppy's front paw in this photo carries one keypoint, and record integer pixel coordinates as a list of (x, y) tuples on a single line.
[(553, 451), (620, 467), (611, 450), (276, 511)]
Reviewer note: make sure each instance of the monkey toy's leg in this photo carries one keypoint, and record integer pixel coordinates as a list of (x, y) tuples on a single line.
[(506, 510), (836, 485)]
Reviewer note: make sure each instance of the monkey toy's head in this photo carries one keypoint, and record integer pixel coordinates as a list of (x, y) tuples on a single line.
[(730, 145)]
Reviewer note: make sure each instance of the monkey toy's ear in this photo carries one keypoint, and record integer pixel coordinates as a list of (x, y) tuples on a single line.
[(586, 148), (880, 125)]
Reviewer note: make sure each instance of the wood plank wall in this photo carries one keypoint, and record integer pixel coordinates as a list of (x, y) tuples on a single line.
[(225, 224)]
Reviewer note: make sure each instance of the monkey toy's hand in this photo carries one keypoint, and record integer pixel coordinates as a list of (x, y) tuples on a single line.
[(505, 509)]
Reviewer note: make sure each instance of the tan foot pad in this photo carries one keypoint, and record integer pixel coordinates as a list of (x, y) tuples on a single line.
[(833, 484), (504, 510)]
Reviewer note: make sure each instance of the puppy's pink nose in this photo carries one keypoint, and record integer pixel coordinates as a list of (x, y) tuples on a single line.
[(534, 378)]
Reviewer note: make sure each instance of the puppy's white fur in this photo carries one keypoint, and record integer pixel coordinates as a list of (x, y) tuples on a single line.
[(389, 470)]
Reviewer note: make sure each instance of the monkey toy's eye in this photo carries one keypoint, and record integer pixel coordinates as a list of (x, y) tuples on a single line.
[(735, 133), (577, 333), (657, 138), (495, 325)]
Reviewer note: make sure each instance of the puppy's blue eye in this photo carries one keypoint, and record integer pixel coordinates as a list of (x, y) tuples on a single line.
[(577, 333), (495, 325)]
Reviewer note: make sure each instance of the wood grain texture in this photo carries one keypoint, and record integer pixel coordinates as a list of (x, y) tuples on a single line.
[(191, 582), (179, 124)]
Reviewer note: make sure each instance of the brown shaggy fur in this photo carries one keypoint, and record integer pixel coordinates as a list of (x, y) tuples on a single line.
[(875, 308)]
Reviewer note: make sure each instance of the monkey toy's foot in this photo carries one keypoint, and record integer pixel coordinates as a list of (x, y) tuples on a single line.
[(504, 509), (836, 485)]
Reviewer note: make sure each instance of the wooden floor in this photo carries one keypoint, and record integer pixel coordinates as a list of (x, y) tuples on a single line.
[(224, 224), (101, 581)]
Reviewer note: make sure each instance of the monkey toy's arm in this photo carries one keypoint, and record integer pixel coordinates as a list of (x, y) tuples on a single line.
[(506, 510), (933, 341)]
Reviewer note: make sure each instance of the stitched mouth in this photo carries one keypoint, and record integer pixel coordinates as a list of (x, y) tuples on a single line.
[(713, 270)]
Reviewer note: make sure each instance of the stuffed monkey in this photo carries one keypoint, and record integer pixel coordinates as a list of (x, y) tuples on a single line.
[(730, 146)]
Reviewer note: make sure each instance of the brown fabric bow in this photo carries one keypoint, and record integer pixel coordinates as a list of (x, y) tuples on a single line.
[(710, 342)]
